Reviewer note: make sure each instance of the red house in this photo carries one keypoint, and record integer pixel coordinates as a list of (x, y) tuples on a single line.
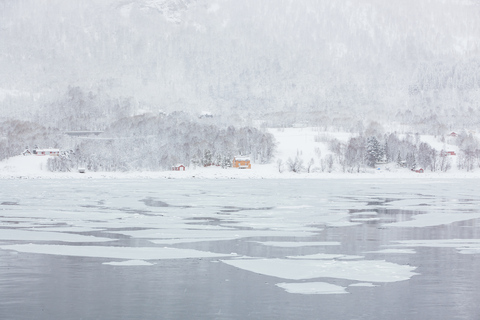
[(242, 163), (447, 153), (46, 152), (178, 167)]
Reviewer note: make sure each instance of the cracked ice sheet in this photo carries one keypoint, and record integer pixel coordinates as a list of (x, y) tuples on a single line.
[(295, 207), (188, 240), (65, 229), (130, 253), (406, 251), (129, 263), (434, 219), (363, 284), (326, 256), (228, 234), (272, 224), (465, 246), (297, 244), (24, 235), (363, 270), (312, 288), (364, 213)]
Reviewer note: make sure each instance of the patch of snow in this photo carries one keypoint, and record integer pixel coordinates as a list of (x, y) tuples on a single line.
[(297, 244), (25, 166), (24, 235), (133, 253), (394, 251), (364, 219), (363, 284), (327, 256), (365, 213), (312, 288), (188, 240), (363, 270), (66, 229), (295, 207), (207, 235)]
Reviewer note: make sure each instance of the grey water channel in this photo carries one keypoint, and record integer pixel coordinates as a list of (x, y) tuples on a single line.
[(239, 249)]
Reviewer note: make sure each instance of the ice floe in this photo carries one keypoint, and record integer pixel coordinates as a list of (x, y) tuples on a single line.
[(24, 235), (394, 251), (435, 219), (363, 284), (172, 233), (293, 269), (465, 246), (327, 256), (129, 263), (131, 253), (286, 244), (312, 288)]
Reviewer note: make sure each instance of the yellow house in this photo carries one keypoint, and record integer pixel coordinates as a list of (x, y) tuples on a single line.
[(242, 163)]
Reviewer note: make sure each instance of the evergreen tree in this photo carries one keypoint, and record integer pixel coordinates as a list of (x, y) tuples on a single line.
[(374, 152), (399, 160), (410, 160)]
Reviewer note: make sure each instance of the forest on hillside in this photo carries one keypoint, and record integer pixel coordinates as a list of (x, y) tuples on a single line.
[(144, 142), (143, 71), (412, 64), (374, 148)]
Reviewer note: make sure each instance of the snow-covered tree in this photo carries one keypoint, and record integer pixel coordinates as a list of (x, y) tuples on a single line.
[(374, 152)]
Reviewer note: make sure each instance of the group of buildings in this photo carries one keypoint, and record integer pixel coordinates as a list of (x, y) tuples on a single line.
[(238, 162)]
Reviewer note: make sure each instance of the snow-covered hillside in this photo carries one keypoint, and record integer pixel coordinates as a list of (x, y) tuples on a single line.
[(317, 62)]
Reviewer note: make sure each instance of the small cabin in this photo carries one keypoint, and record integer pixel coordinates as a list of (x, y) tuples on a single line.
[(447, 153), (178, 167), (46, 152), (453, 134), (242, 163)]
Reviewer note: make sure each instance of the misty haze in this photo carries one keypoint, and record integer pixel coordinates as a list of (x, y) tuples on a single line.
[(221, 159)]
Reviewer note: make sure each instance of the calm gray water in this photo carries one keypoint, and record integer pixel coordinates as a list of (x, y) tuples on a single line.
[(244, 217)]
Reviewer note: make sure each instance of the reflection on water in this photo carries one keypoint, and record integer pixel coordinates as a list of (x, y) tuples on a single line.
[(281, 230)]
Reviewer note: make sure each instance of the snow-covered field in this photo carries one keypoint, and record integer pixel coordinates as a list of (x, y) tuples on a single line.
[(290, 143)]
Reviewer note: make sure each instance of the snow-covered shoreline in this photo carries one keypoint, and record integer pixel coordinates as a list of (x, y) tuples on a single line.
[(35, 168), (291, 142)]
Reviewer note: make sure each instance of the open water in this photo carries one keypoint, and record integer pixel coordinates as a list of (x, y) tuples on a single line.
[(239, 249)]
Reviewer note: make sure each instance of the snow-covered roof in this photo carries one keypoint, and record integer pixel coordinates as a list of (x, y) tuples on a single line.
[(242, 158)]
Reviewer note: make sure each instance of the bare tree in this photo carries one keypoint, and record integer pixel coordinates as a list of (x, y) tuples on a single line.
[(295, 165), (280, 165), (310, 164)]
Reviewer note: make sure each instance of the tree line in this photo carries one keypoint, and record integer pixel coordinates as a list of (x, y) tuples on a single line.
[(157, 142), (408, 151)]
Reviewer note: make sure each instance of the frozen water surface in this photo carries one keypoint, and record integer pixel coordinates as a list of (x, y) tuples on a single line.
[(239, 249)]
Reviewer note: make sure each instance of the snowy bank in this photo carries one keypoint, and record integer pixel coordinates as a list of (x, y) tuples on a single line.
[(306, 143), (33, 167)]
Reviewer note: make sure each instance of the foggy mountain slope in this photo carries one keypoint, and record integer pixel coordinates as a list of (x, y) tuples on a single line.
[(334, 59)]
